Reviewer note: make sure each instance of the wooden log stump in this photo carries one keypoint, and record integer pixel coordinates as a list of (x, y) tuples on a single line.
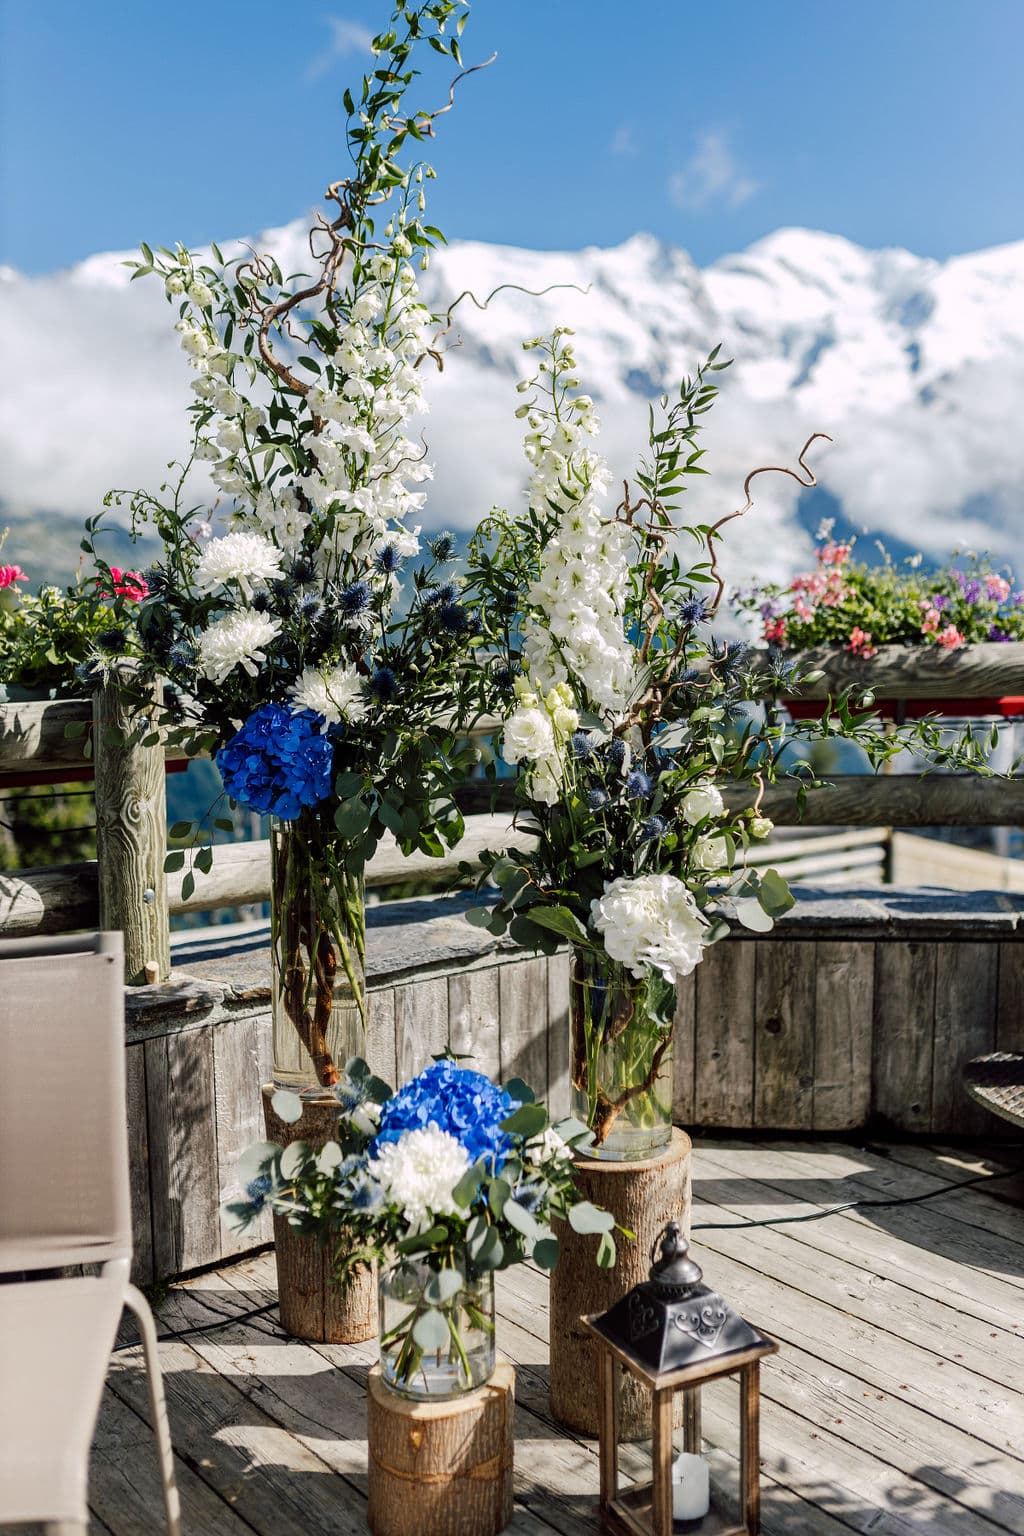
[(312, 1305), (443, 1468), (642, 1196)]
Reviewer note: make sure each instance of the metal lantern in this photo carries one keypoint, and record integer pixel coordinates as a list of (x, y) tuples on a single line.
[(674, 1334)]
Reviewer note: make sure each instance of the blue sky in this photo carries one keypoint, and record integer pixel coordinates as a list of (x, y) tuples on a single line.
[(893, 122)]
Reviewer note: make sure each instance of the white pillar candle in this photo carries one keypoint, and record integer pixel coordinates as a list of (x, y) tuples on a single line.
[(691, 1488)]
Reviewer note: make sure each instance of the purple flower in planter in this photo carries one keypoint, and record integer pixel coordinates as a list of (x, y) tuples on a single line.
[(971, 590), (939, 600), (995, 633), (1018, 599)]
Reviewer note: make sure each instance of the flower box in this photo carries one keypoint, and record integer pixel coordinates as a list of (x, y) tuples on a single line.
[(908, 682)]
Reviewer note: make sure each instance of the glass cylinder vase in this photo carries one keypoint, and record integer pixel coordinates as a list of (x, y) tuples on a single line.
[(436, 1338), (318, 955), (621, 1055)]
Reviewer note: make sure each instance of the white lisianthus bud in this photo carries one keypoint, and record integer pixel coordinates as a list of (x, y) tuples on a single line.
[(402, 245), (254, 418), (226, 399), (200, 295), (760, 826), (204, 449), (174, 286)]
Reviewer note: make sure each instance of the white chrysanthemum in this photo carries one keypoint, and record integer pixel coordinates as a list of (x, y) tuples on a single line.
[(703, 800), (337, 694), (419, 1173), (650, 921), (236, 640), (247, 559)]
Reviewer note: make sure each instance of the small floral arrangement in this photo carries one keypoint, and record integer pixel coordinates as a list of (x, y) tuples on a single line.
[(843, 602), (451, 1173)]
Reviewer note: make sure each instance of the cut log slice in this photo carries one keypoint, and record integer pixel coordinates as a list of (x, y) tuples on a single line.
[(312, 1305), (443, 1468)]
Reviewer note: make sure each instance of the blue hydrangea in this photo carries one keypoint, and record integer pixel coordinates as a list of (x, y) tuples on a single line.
[(279, 762), (464, 1103)]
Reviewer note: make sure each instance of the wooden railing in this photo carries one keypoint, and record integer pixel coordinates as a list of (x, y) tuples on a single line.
[(126, 888)]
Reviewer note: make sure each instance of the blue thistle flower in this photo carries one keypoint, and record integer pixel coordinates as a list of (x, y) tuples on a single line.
[(454, 618), (90, 672), (113, 640), (504, 678), (653, 828), (310, 607), (303, 570), (442, 546), (383, 685), (695, 609), (258, 1190), (597, 799), (388, 561), (355, 598), (581, 746), (441, 596), (616, 752), (638, 784), (182, 656)]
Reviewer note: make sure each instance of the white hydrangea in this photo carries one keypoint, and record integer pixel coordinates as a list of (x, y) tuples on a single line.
[(703, 800), (419, 1172), (247, 559), (650, 921), (337, 694), (236, 640)]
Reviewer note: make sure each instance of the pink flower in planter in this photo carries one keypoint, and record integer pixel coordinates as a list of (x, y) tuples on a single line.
[(860, 643), (9, 574), (834, 554), (775, 631), (997, 587), (950, 638), (127, 584)]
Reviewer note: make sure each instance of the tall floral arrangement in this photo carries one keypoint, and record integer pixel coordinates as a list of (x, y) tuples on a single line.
[(306, 632), (642, 744)]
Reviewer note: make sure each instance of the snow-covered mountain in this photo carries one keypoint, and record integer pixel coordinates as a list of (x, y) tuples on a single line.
[(915, 368)]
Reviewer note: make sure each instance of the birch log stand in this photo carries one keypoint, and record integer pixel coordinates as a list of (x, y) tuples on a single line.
[(441, 1468), (312, 1306), (642, 1196)]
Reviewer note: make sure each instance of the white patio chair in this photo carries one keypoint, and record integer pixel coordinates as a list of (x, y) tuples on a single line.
[(64, 1200)]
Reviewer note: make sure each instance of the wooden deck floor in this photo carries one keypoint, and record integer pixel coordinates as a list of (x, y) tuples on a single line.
[(896, 1405)]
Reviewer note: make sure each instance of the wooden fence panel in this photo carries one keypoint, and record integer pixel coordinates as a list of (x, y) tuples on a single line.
[(784, 1034), (843, 1011), (523, 1001), (966, 978), (904, 1025), (724, 1035), (184, 1172)]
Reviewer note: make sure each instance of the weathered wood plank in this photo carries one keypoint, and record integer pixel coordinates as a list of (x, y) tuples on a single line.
[(966, 978), (724, 1035), (138, 1164), (523, 1003), (843, 1011), (183, 1150), (684, 1045), (32, 734), (381, 1050), (237, 1080), (421, 1024), (895, 800), (989, 669), (784, 1023), (558, 1034), (904, 1027), (473, 1007), (51, 899)]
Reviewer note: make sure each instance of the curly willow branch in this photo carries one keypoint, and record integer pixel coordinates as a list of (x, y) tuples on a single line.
[(763, 469)]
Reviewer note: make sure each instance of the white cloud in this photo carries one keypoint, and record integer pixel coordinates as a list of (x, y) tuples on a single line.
[(346, 37), (710, 176)]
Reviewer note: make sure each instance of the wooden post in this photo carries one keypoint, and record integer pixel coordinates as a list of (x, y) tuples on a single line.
[(131, 836), (642, 1196), (311, 1304), (609, 1432), (441, 1468)]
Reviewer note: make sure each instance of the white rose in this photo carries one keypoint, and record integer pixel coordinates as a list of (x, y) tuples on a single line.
[(703, 801), (528, 736), (760, 826), (709, 853)]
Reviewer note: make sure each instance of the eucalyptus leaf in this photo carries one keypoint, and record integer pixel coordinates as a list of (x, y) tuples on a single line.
[(586, 1217), (519, 1092), (546, 1252), (329, 1157), (605, 1251), (519, 1217), (430, 1331), (443, 1286), (255, 1158), (287, 1106), (527, 1120), (752, 915), (294, 1158)]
